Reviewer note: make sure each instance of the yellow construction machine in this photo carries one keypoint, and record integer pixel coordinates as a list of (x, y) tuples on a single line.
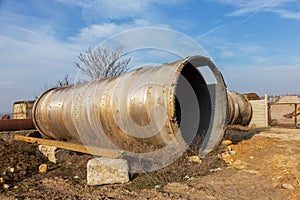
[(292, 114)]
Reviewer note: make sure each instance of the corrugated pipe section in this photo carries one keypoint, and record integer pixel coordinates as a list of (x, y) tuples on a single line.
[(142, 110), (239, 109)]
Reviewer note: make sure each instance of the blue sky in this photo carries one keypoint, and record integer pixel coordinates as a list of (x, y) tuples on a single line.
[(255, 43)]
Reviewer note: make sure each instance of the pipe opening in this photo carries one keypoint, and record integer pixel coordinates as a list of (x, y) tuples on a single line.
[(114, 113), (192, 105)]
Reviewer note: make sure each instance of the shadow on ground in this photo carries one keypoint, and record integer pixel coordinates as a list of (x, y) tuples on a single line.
[(237, 135)]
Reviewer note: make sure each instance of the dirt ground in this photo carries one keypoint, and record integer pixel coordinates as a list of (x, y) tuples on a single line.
[(258, 165)]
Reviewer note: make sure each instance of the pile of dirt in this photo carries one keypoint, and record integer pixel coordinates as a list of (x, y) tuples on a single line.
[(289, 99), (21, 179), (181, 170), (248, 166), (18, 161)]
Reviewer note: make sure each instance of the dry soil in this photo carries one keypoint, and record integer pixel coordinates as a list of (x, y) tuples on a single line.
[(258, 165)]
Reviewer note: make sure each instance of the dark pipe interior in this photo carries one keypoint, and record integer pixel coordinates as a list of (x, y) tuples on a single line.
[(196, 126)]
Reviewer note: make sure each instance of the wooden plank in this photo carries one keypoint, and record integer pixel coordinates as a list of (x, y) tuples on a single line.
[(73, 147)]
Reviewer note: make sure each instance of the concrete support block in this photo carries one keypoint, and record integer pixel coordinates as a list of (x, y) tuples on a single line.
[(107, 171), (53, 154)]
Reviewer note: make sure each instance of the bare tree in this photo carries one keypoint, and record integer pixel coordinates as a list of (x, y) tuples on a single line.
[(102, 62), (60, 83), (64, 82)]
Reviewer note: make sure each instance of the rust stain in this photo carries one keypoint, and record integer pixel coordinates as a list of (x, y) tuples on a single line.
[(16, 124), (118, 110)]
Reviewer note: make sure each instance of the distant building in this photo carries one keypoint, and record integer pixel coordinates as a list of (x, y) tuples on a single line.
[(289, 99), (22, 109), (274, 99), (283, 111)]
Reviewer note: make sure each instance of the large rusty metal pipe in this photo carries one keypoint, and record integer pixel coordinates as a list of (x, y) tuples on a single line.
[(16, 124), (141, 110), (239, 109)]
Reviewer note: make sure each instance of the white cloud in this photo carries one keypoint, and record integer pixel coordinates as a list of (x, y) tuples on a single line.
[(261, 59), (29, 60), (118, 9), (210, 31), (287, 14), (32, 55), (230, 49), (121, 7), (142, 22), (95, 33), (246, 7)]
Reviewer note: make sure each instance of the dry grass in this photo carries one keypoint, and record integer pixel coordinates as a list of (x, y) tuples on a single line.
[(179, 171)]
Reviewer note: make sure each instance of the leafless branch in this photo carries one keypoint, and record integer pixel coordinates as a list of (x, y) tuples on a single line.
[(102, 62), (65, 81)]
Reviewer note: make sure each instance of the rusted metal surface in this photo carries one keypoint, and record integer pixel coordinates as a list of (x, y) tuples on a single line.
[(71, 146), (139, 111), (16, 124), (239, 109)]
